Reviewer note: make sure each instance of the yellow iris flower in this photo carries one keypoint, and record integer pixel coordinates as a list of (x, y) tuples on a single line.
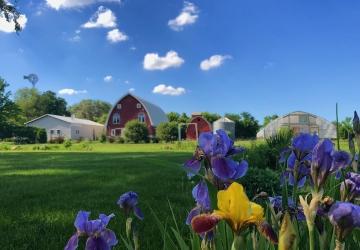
[(236, 209)]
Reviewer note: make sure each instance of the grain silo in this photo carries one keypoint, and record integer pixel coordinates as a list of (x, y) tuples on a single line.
[(225, 124)]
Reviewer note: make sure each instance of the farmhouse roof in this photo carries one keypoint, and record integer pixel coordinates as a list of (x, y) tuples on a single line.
[(66, 119)]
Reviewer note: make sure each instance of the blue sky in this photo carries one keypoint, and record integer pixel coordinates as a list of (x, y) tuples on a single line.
[(260, 56)]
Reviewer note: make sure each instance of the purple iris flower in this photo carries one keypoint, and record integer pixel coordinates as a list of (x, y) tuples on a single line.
[(276, 203), (298, 163), (201, 195), (345, 216), (350, 188), (216, 150), (326, 161), (128, 201), (99, 237)]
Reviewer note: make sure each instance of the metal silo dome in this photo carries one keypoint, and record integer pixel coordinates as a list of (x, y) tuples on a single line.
[(225, 124)]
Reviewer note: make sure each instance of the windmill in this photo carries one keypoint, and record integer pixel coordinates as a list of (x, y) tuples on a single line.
[(32, 78)]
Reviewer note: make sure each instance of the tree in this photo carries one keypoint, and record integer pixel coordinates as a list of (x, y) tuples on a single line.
[(33, 103), (269, 118), (345, 128), (167, 131), (94, 110), (10, 13), (8, 109), (249, 126), (136, 131), (211, 117), (173, 116)]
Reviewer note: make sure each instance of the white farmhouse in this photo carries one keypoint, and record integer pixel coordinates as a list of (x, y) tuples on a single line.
[(67, 127)]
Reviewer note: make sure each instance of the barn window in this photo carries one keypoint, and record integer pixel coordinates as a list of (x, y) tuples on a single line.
[(116, 118), (58, 132), (138, 106), (118, 106), (51, 132), (113, 132), (141, 117)]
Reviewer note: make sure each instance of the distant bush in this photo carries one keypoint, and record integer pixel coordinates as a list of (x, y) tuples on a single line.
[(41, 136), (136, 131), (257, 180), (111, 139), (167, 131), (22, 134), (120, 140), (102, 138), (57, 140), (67, 143)]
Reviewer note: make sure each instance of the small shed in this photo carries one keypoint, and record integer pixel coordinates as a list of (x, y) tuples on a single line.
[(197, 125), (67, 127), (225, 124)]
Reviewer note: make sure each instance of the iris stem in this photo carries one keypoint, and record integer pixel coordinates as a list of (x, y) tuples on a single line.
[(238, 243), (339, 245), (311, 236)]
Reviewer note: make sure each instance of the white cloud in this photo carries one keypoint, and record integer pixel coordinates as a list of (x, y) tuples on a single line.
[(71, 92), (132, 48), (67, 4), (9, 27), (152, 61), (187, 16), (168, 90), (127, 82), (108, 78), (213, 62), (131, 90), (115, 36), (103, 18)]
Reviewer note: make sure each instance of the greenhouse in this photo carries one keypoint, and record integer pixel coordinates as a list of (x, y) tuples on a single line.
[(300, 122)]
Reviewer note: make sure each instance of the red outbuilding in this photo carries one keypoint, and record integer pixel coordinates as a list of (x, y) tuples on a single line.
[(198, 124), (131, 107)]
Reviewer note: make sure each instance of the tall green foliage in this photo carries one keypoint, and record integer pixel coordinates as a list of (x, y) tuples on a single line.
[(136, 131), (95, 110), (167, 131), (8, 109), (33, 103)]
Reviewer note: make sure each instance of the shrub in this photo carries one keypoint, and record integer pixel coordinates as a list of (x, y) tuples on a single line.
[(57, 140), (167, 131), (103, 138), (41, 136), (67, 143), (111, 139), (257, 180), (120, 140), (136, 131)]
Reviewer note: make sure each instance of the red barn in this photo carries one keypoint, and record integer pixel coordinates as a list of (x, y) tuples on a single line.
[(130, 107), (198, 124)]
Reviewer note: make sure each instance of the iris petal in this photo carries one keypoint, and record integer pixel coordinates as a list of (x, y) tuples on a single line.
[(194, 212), (241, 170), (206, 142), (110, 237), (192, 166), (96, 244), (81, 220), (138, 213), (204, 223), (72, 243), (223, 168)]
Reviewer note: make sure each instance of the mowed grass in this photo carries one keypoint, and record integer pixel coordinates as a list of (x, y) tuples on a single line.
[(41, 193)]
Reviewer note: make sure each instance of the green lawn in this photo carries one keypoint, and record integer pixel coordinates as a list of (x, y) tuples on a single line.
[(41, 192)]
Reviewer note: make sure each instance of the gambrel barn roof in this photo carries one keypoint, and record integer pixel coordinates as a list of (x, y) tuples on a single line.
[(156, 114)]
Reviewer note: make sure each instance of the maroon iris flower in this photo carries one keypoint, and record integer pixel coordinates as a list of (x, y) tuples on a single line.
[(98, 236)]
